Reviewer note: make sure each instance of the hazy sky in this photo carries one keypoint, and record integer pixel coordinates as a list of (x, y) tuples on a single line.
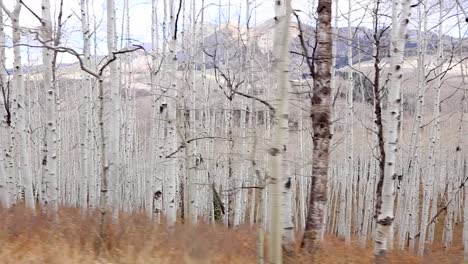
[(140, 16)]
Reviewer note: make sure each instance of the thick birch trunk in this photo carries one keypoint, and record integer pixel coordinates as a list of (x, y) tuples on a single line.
[(321, 111)]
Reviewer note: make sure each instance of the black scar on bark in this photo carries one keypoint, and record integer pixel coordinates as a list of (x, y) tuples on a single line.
[(287, 185), (316, 100), (274, 151), (386, 221), (157, 195)]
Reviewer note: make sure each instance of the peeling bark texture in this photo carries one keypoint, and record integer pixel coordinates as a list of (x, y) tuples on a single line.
[(321, 112)]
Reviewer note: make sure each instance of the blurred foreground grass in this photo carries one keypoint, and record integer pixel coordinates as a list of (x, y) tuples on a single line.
[(70, 238)]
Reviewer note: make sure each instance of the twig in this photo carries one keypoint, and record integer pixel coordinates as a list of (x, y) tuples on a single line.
[(187, 142)]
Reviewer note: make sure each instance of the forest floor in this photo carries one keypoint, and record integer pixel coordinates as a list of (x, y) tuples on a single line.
[(70, 238)]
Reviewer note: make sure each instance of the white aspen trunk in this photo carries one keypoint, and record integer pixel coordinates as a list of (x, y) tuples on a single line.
[(251, 123), (171, 171), (194, 124), (280, 132), (240, 194), (229, 170), (208, 117), (86, 148), (333, 202), (434, 203), (4, 191), (377, 167), (153, 182), (6, 174), (104, 164), (350, 130), (130, 166), (95, 129), (447, 232), (341, 187), (333, 73), (461, 158), (410, 185), (434, 142), (302, 181), (24, 164), (368, 204), (51, 192), (429, 179), (127, 136), (264, 214), (260, 220), (182, 131), (360, 191), (112, 108), (96, 126), (386, 199), (465, 216), (161, 118)]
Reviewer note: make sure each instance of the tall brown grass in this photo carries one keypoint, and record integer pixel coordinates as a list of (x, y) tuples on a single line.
[(70, 238)]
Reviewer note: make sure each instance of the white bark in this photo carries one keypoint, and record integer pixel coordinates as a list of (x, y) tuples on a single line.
[(86, 153), (4, 190), (280, 132), (112, 107), (400, 21), (435, 129), (153, 189), (349, 133), (104, 164), (459, 149), (5, 180), (51, 192), (429, 179), (170, 109), (24, 164)]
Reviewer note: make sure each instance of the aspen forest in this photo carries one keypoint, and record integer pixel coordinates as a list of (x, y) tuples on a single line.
[(233, 131)]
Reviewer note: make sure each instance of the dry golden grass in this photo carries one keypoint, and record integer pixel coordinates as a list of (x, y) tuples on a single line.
[(71, 239)]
